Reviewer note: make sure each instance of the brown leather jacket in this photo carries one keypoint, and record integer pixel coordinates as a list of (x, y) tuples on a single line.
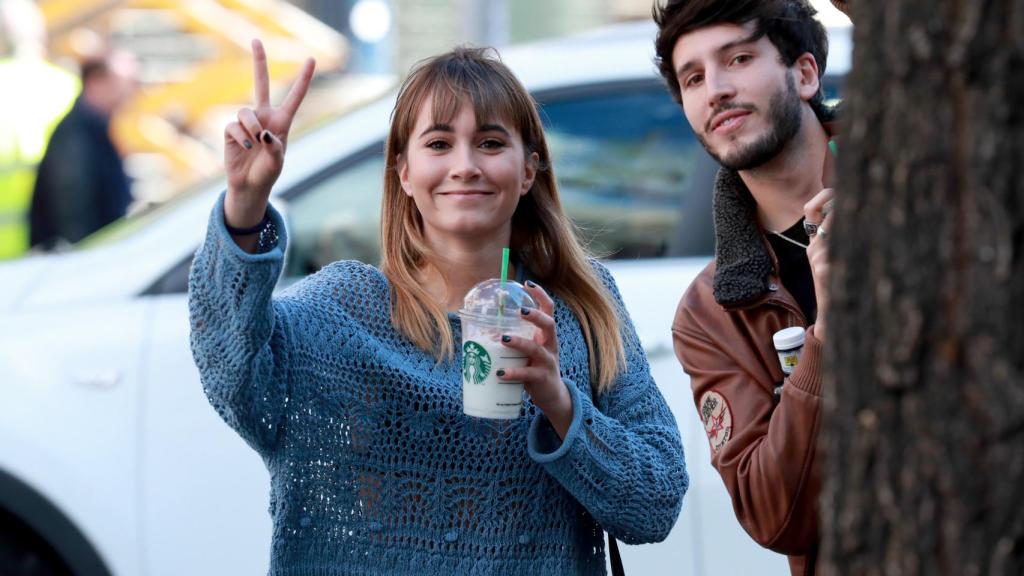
[(763, 445)]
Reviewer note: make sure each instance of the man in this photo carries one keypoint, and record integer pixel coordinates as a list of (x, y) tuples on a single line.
[(82, 185), (36, 95), (748, 76)]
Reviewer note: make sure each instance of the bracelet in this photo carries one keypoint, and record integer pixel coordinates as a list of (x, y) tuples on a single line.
[(250, 230)]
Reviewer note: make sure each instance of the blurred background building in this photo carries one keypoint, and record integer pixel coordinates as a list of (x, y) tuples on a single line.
[(404, 31)]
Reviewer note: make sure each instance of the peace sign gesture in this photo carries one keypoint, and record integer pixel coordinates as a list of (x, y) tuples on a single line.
[(254, 145)]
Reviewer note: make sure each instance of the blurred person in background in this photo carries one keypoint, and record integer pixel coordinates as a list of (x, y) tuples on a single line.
[(35, 96), (82, 185)]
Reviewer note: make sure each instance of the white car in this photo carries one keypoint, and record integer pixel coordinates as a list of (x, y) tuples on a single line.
[(112, 462)]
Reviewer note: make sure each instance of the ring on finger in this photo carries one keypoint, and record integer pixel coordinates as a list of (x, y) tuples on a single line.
[(821, 231), (811, 228)]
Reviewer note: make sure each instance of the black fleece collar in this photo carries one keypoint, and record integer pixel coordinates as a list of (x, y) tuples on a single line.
[(743, 265)]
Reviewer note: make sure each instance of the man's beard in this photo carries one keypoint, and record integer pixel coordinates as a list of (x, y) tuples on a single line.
[(784, 117)]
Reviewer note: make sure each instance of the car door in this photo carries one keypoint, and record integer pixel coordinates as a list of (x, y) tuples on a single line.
[(204, 492), (70, 379)]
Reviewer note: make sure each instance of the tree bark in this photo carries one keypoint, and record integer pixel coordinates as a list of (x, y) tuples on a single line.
[(924, 415)]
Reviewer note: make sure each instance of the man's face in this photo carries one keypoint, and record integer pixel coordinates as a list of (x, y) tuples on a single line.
[(115, 86), (123, 77), (738, 96)]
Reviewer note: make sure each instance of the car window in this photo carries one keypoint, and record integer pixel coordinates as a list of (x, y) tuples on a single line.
[(337, 217), (622, 155)]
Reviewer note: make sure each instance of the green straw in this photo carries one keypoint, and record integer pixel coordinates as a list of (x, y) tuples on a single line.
[(504, 266), (504, 278)]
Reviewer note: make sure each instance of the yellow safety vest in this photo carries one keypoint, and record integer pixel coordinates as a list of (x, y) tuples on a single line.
[(34, 96)]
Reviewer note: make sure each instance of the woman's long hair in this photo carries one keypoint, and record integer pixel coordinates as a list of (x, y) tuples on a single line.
[(541, 232)]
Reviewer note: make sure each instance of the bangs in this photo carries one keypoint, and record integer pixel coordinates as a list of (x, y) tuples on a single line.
[(495, 94), (492, 99)]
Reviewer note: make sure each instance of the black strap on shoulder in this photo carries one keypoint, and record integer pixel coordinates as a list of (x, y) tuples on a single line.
[(613, 554), (613, 546)]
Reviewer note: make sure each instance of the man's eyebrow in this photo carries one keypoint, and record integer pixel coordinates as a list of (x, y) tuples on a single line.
[(752, 37)]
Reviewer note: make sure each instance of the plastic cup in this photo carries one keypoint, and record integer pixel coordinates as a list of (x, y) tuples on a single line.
[(491, 310)]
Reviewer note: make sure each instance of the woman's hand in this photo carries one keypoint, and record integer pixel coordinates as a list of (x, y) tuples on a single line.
[(816, 211), (541, 375), (254, 145)]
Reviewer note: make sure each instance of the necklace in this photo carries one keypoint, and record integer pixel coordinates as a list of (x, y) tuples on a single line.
[(788, 239)]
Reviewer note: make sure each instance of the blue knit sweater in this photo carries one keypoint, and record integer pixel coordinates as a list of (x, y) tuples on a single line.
[(374, 468)]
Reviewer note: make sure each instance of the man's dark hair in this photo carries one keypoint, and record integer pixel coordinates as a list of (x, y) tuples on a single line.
[(789, 24), (95, 66)]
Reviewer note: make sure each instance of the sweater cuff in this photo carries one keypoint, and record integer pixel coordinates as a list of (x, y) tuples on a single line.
[(542, 442), (219, 228), (807, 375)]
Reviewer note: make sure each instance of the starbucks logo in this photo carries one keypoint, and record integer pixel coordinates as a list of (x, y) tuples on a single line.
[(476, 363)]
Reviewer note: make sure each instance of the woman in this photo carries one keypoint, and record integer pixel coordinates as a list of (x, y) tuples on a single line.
[(349, 383)]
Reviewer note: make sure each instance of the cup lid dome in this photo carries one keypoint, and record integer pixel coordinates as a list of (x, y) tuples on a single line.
[(492, 299)]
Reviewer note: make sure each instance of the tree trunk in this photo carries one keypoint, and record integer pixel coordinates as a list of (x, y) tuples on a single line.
[(924, 420)]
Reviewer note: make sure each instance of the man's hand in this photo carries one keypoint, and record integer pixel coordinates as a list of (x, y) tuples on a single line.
[(816, 211)]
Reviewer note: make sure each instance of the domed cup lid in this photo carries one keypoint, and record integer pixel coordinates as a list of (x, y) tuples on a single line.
[(490, 300)]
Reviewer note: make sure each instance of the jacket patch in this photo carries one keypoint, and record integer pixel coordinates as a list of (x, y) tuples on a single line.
[(717, 417)]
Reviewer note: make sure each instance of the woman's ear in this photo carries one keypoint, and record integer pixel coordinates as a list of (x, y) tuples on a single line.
[(529, 172), (402, 166), (807, 80)]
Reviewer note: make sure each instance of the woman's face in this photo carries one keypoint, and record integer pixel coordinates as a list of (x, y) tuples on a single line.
[(466, 179)]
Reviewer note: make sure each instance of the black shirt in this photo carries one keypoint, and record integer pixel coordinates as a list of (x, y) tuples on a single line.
[(81, 185), (795, 269)]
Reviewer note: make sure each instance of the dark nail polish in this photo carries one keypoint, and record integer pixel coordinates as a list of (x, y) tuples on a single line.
[(266, 137), (247, 144), (525, 311), (506, 338), (531, 284), (500, 373)]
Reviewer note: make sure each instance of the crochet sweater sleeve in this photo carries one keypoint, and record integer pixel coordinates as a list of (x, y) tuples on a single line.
[(622, 459), (239, 336)]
